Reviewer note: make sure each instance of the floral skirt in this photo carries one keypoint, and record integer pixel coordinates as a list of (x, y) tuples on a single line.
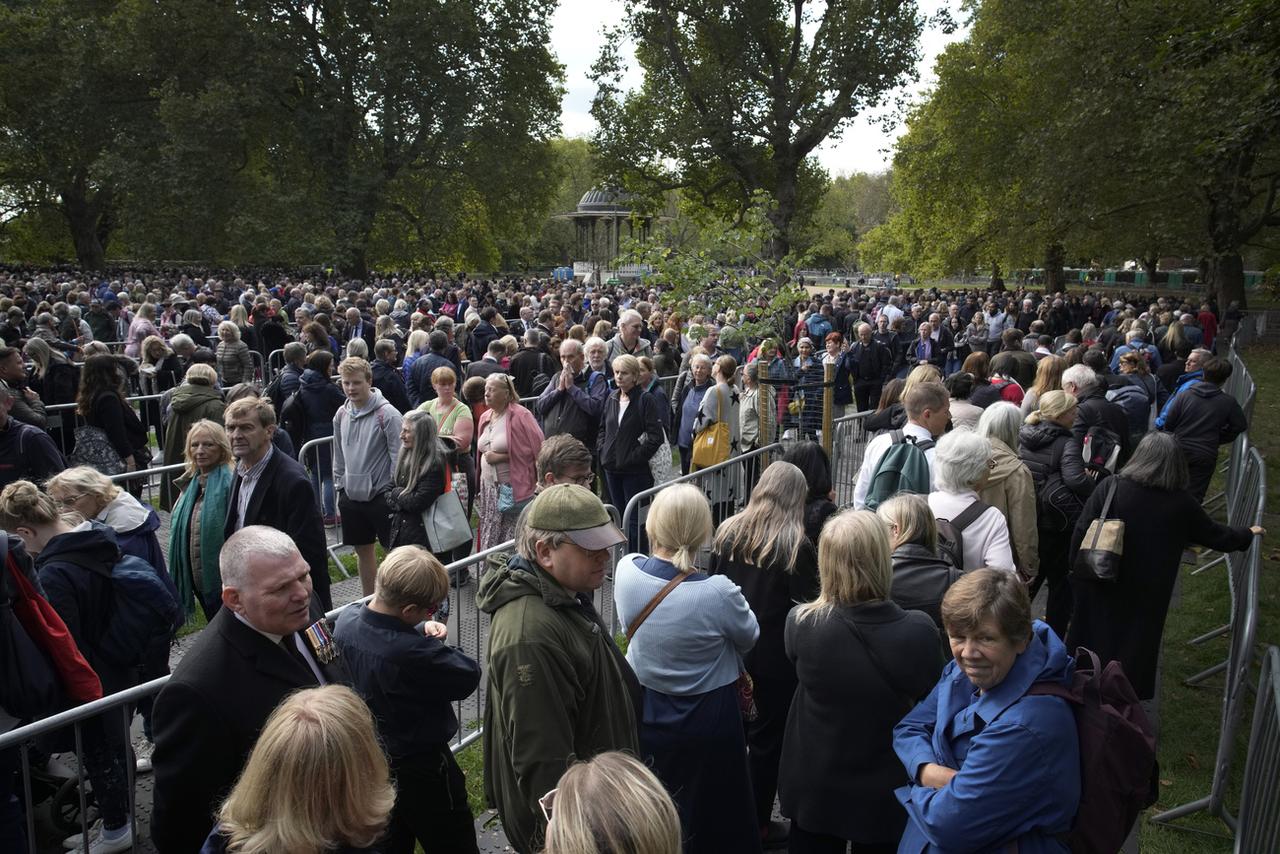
[(496, 527)]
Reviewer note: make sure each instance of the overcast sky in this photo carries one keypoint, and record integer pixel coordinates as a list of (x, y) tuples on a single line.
[(576, 37)]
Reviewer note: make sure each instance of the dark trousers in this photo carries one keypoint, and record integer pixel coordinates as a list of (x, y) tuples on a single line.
[(622, 487), (105, 752), (867, 394), (686, 460), (804, 842), (764, 740), (1201, 471), (13, 820), (1055, 570), (431, 805)]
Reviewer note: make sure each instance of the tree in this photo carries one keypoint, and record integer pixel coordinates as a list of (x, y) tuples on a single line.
[(72, 102), (736, 96), (851, 207)]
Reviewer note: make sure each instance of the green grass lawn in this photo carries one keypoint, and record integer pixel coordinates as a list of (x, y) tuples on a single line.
[(1190, 716)]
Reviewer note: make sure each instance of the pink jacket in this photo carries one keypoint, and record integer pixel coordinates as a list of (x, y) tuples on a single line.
[(524, 439)]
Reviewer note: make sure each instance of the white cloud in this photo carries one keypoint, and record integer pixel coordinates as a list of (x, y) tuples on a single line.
[(578, 31)]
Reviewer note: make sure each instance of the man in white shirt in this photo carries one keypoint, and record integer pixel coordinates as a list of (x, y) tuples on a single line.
[(928, 411)]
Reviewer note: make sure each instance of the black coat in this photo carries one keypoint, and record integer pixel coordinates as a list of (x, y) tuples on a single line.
[(407, 507), (285, 500), (1203, 417), (838, 768), (628, 445), (771, 592), (1047, 448), (921, 579), (1124, 620), (1094, 409), (388, 380), (207, 718)]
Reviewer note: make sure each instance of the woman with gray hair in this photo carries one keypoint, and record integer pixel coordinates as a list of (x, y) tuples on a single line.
[(235, 365), (961, 465), (1010, 487)]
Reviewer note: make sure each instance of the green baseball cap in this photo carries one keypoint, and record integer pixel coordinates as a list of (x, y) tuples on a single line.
[(576, 511)]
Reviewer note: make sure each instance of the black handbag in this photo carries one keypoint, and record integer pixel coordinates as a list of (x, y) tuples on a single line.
[(1102, 548)]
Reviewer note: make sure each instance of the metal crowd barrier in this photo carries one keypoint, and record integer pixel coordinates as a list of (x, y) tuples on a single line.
[(468, 629), (849, 444), (259, 368), (309, 456), (1259, 822), (1241, 493), (64, 419), (275, 363)]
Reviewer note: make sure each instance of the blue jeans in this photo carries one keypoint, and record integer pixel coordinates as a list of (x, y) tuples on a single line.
[(952, 365), (320, 467)]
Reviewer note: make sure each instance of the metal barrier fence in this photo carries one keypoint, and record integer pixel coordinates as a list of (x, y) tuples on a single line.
[(63, 419), (316, 456), (468, 629), (1259, 823), (849, 445)]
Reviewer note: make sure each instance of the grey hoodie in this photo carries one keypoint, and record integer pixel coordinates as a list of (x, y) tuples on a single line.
[(365, 444)]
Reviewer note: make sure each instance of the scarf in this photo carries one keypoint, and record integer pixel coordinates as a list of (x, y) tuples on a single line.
[(213, 516)]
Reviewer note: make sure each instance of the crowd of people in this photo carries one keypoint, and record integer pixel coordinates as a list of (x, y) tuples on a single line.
[(778, 649)]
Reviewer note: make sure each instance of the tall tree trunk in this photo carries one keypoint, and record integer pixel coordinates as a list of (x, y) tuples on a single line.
[(1150, 263), (783, 212), (1226, 234), (997, 283), (1054, 257), (89, 221), (1228, 277)]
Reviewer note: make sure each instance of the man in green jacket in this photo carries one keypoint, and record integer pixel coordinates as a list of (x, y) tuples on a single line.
[(558, 689)]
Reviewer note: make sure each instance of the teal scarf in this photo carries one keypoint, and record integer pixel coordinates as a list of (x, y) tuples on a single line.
[(213, 515)]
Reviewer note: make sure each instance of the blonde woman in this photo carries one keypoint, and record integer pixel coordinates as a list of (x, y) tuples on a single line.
[(196, 526), (454, 422), (687, 653), (764, 550), (611, 804), (248, 334), (235, 365), (93, 495), (508, 441), (920, 577), (317, 782), (1048, 377), (861, 662)]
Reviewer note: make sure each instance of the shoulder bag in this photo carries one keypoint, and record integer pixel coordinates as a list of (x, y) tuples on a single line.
[(1102, 548), (711, 445), (446, 519), (745, 687)]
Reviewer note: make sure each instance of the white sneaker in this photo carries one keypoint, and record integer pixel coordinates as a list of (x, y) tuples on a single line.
[(74, 843), (143, 765), (103, 845)]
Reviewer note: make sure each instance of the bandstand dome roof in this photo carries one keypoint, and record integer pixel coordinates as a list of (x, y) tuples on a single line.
[(604, 201)]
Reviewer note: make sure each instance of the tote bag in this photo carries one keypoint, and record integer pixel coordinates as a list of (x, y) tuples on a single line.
[(446, 519), (711, 445), (1102, 548)]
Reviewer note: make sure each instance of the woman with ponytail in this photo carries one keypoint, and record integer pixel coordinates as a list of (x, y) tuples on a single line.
[(687, 632)]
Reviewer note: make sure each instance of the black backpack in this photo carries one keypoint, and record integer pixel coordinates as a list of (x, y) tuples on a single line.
[(275, 393), (1057, 505), (144, 615), (951, 533), (293, 418)]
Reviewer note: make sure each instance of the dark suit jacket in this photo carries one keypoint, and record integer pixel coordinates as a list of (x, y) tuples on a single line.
[(285, 500), (207, 719)]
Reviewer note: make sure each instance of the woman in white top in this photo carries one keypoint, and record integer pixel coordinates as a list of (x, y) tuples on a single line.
[(961, 464)]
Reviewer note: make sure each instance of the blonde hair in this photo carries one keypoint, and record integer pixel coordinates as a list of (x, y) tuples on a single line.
[(726, 366), (355, 366), (911, 515), (317, 779), (770, 531), (411, 575), (919, 375), (612, 804), (1053, 404), (680, 521), (1049, 374), (21, 504), (201, 374), (627, 364), (148, 343), (85, 481), (219, 435), (854, 563), (229, 327)]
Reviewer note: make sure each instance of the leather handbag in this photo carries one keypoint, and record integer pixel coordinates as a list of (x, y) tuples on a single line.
[(1102, 548), (711, 445), (446, 519)]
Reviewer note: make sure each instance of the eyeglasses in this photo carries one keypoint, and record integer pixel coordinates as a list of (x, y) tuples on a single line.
[(547, 802), (70, 500)]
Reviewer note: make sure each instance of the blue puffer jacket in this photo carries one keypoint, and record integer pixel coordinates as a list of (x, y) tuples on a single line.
[(1017, 757)]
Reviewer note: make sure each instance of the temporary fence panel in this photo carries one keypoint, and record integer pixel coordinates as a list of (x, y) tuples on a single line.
[(316, 457), (1259, 828), (1243, 498), (797, 404), (849, 445), (64, 419), (275, 364)]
